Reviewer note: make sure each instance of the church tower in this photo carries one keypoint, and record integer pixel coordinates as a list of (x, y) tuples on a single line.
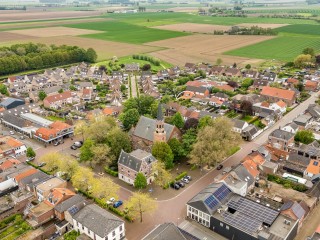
[(159, 134)]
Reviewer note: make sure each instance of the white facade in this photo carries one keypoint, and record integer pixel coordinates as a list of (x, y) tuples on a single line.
[(20, 150), (117, 234), (125, 178), (198, 216)]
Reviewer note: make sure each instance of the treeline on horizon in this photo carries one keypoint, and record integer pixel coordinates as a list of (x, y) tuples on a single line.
[(30, 56)]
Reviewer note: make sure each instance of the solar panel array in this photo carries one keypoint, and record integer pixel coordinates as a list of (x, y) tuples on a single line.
[(241, 221), (255, 210), (217, 196), (211, 202), (73, 210), (222, 192)]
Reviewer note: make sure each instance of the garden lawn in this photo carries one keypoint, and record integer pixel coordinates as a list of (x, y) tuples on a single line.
[(129, 59), (126, 32), (283, 48)]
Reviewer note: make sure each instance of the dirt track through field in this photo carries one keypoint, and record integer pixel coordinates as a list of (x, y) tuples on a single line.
[(194, 27), (207, 48)]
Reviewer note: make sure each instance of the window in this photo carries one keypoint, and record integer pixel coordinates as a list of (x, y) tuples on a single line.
[(113, 233), (221, 224), (83, 228), (227, 227), (120, 228)]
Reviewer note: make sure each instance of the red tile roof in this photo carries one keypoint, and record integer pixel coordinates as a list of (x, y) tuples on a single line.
[(281, 104), (58, 97), (277, 92), (314, 167), (9, 163), (27, 173), (251, 166), (293, 80), (311, 84), (58, 125)]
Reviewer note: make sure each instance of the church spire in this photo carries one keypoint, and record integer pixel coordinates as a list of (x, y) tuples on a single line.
[(159, 113)]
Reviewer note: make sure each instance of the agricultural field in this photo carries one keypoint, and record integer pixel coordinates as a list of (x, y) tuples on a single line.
[(202, 47), (125, 32), (194, 27), (304, 29), (53, 32), (281, 48)]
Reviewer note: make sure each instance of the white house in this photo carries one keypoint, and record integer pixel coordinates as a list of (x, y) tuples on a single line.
[(98, 223), (239, 125), (291, 127)]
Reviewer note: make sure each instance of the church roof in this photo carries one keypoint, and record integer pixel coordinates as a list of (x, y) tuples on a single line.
[(146, 127)]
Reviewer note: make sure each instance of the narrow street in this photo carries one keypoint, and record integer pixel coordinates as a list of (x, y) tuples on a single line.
[(133, 86)]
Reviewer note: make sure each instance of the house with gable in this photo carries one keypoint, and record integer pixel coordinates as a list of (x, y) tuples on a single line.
[(272, 94), (147, 131), (97, 223), (130, 164)]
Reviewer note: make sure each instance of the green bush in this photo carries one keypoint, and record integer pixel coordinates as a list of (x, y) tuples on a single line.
[(111, 172), (128, 218), (116, 211), (180, 176), (72, 235), (4, 223), (287, 183)]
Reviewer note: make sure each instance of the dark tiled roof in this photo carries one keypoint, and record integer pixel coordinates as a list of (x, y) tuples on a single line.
[(168, 231), (295, 208), (65, 205), (278, 133), (196, 89), (146, 126), (98, 220), (133, 161), (35, 178), (16, 121)]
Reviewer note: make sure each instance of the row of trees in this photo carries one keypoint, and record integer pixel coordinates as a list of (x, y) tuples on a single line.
[(22, 57), (307, 58), (152, 60), (254, 30)]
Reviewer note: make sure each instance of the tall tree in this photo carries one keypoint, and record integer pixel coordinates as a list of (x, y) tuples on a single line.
[(117, 141), (304, 136), (101, 154), (104, 188), (309, 51), (3, 89), (162, 152), (86, 153), (141, 181), (204, 121), (302, 60), (81, 128), (214, 142), (130, 118), (91, 55), (177, 120), (42, 95), (83, 179), (191, 123), (162, 176), (246, 107), (30, 152), (176, 148), (139, 204)]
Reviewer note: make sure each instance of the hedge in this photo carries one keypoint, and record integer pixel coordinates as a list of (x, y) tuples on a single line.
[(287, 183), (111, 172), (181, 175), (39, 168), (4, 223)]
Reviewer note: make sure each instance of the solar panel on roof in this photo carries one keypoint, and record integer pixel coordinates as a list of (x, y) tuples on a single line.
[(222, 192), (211, 202), (315, 163), (73, 210)]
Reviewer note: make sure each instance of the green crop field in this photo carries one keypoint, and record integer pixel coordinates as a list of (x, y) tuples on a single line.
[(125, 32), (281, 48), (305, 29), (157, 19)]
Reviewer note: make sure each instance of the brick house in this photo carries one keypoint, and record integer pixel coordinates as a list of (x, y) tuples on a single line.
[(147, 131), (43, 189), (130, 164), (272, 94), (281, 139), (10, 146), (293, 210), (55, 131), (311, 85), (59, 100)]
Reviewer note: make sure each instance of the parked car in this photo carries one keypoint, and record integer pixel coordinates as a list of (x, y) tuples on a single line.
[(175, 186), (185, 180), (117, 204), (56, 143), (220, 166), (181, 184), (30, 159), (78, 144), (11, 132), (111, 201), (42, 164), (188, 177), (21, 137), (73, 147)]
